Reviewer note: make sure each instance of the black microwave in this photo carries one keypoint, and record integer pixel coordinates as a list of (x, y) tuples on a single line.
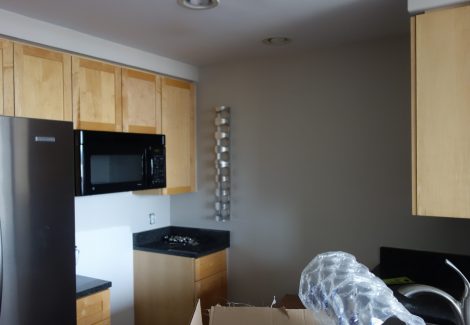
[(108, 162)]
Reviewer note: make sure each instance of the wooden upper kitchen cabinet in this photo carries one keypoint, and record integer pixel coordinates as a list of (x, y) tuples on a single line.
[(6, 78), (141, 102), (96, 93), (441, 112), (167, 287), (178, 106), (42, 83)]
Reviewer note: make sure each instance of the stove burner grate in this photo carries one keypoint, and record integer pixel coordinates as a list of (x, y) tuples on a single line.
[(180, 240)]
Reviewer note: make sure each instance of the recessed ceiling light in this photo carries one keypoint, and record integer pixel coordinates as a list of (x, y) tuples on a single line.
[(199, 4), (277, 41)]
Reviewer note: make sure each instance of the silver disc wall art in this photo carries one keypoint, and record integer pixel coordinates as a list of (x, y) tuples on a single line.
[(222, 163)]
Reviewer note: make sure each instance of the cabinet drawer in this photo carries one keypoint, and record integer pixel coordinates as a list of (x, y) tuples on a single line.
[(209, 265), (94, 309)]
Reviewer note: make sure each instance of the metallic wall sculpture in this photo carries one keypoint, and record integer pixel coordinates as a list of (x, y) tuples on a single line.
[(222, 163)]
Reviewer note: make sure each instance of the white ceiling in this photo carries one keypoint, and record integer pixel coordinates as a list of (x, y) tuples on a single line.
[(232, 30)]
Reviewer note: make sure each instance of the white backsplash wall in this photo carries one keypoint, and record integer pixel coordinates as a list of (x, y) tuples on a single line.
[(104, 226)]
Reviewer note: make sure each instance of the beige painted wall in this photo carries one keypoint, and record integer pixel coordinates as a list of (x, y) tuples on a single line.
[(321, 161)]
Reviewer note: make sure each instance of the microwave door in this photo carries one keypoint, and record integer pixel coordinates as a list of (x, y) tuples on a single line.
[(108, 171), (109, 162)]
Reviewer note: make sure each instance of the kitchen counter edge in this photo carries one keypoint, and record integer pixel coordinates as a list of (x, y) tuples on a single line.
[(86, 286)]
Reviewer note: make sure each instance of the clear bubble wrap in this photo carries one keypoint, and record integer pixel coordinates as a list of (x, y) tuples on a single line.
[(341, 291)]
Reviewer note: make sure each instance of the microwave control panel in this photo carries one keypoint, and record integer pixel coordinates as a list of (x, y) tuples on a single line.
[(157, 167)]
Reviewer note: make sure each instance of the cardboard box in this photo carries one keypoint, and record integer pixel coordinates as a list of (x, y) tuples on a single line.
[(220, 315)]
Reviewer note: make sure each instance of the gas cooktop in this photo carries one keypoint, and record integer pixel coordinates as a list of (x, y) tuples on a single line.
[(182, 241)]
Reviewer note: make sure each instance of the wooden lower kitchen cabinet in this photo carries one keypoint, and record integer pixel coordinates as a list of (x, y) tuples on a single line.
[(167, 287), (94, 309)]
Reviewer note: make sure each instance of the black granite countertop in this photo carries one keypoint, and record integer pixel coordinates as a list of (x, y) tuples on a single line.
[(206, 241), (87, 286), (425, 267)]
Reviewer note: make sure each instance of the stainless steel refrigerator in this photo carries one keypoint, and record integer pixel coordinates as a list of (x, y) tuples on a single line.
[(37, 259)]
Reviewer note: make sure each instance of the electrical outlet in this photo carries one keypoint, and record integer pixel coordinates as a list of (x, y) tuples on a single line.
[(152, 218), (77, 254)]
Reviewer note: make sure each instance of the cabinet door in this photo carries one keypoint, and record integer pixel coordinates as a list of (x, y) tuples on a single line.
[(42, 83), (178, 126), (212, 290), (163, 289), (96, 95), (6, 77), (443, 113), (210, 264), (141, 102), (94, 309)]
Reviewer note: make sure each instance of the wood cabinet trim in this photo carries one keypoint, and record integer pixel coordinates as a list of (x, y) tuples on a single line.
[(76, 91), (68, 115), (41, 52), (125, 100), (118, 98), (149, 76), (158, 104), (97, 65), (177, 83), (413, 115), (18, 72), (192, 132), (6, 79), (140, 129), (177, 190)]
